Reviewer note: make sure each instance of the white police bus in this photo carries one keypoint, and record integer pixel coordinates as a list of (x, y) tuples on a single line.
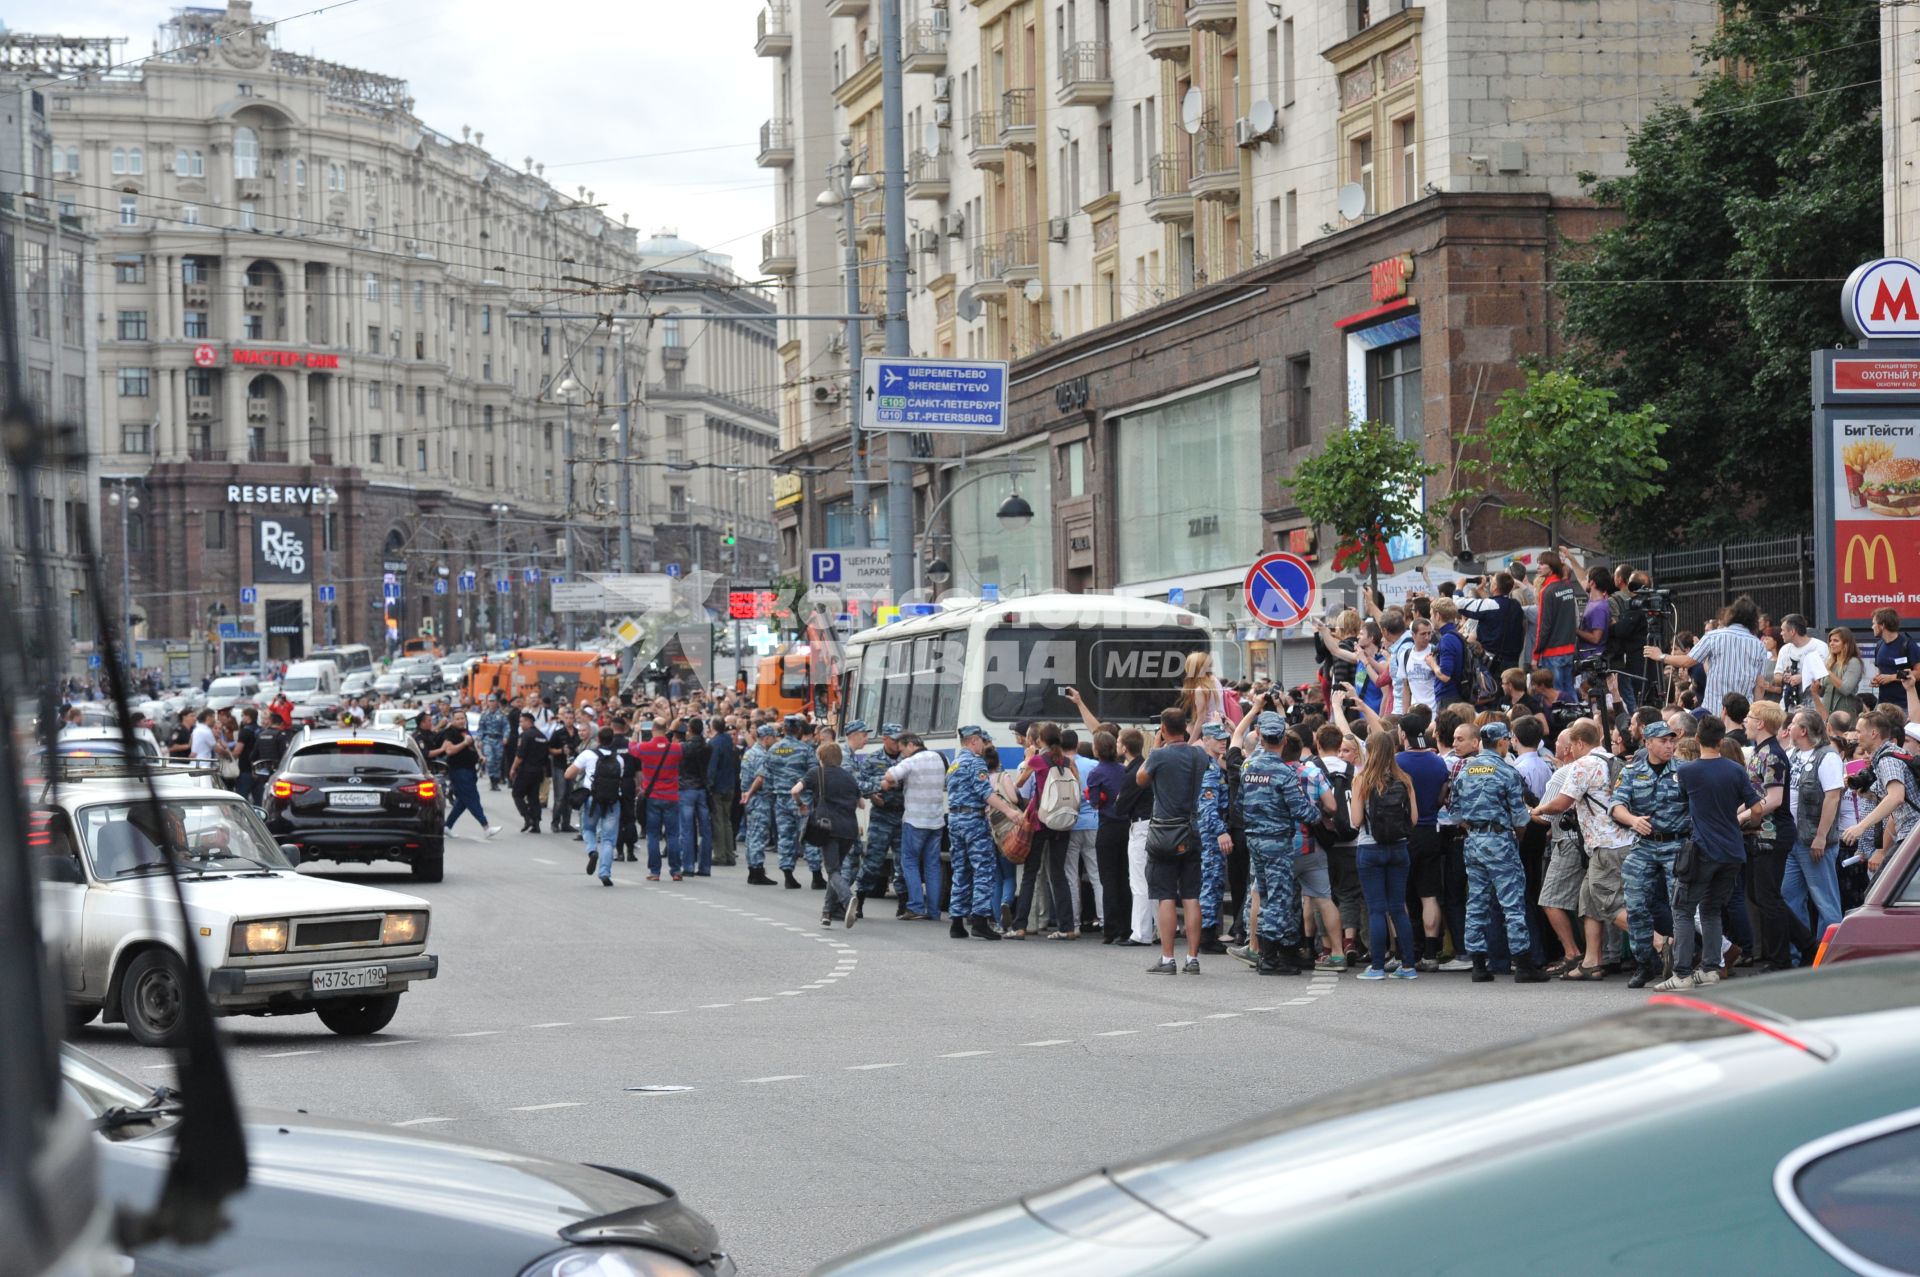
[(999, 662)]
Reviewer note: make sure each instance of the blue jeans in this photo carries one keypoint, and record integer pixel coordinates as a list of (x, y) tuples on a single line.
[(1819, 879), (1383, 872), (663, 818), (920, 862), (696, 830), (1562, 668), (600, 830), (466, 796)]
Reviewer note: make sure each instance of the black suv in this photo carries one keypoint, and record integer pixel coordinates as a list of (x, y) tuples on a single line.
[(357, 795)]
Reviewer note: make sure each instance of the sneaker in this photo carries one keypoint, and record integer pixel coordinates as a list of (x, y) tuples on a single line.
[(1428, 964), (1676, 983), (1456, 963), (1332, 962), (493, 831), (1192, 966), (1373, 973), (1705, 976), (1405, 973), (1163, 967), (1243, 952), (606, 882), (853, 912), (1393, 965)]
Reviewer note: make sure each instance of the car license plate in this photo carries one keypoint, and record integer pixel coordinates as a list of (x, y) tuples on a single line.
[(353, 798), (349, 978)]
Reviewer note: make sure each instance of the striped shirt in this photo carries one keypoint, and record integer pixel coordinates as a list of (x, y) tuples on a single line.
[(1735, 660), (923, 782)]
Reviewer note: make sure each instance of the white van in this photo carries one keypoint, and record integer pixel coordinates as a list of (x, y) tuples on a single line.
[(306, 679)]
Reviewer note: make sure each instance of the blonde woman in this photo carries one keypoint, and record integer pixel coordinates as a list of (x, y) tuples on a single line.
[(1202, 696), (1846, 672)]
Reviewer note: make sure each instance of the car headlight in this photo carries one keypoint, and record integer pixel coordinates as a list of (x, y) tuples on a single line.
[(269, 935), (610, 1261), (403, 928)]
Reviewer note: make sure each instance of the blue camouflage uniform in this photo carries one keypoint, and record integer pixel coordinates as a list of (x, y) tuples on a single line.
[(883, 823), (1646, 875), (492, 734), (789, 759), (1210, 820), (1490, 800), (975, 872), (757, 827), (1274, 806)]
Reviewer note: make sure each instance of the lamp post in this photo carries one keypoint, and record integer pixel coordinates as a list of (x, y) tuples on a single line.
[(567, 391), (496, 610), (328, 500), (845, 184), (1014, 513), (128, 501)]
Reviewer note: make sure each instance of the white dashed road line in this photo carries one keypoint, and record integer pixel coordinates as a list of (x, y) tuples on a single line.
[(863, 1068), (424, 1121), (538, 1108), (778, 1077), (962, 1055), (281, 1055)]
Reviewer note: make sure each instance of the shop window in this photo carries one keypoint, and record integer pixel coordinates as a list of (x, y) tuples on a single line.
[(1300, 401), (1196, 446), (214, 526), (1393, 389), (1074, 462)]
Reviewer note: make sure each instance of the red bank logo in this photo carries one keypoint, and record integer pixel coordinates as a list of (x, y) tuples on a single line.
[(1879, 299)]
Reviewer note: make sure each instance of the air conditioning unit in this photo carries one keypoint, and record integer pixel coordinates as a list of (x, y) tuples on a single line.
[(927, 241), (942, 115), (873, 47), (1057, 229), (942, 87), (955, 225), (837, 344), (937, 16), (825, 394), (1243, 133)]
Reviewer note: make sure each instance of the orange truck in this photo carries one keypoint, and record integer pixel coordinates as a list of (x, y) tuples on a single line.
[(798, 678), (555, 673)]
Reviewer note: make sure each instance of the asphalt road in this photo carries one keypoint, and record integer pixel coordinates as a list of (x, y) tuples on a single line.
[(839, 1086)]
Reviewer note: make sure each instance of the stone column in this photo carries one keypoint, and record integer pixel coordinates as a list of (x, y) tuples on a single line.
[(296, 297), (233, 413), (298, 451)]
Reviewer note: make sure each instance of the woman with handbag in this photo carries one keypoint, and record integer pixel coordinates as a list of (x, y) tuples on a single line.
[(831, 797), (1049, 844)]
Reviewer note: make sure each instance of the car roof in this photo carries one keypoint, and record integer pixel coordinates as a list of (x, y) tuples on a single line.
[(324, 735)]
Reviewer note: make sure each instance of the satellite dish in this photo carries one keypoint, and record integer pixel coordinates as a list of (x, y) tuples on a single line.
[(1352, 201), (968, 306), (1262, 116), (1035, 290), (1193, 110)]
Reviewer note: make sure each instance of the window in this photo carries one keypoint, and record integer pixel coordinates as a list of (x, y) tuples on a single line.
[(1360, 167), (546, 341), (420, 454), (670, 331), (182, 163), (373, 339), (677, 499), (248, 217), (1104, 150), (1286, 63), (119, 160), (129, 210), (419, 296), (1273, 64), (1866, 1197), (486, 319), (214, 528), (136, 383), (486, 418), (199, 164), (189, 214), (199, 381), (254, 327), (374, 447), (373, 287), (1189, 445), (132, 325), (135, 439), (299, 172), (1393, 388), (129, 268), (420, 402), (246, 152), (1406, 141), (336, 179), (1300, 401), (193, 323), (676, 426), (1139, 148), (136, 161), (373, 394), (676, 456), (486, 368)]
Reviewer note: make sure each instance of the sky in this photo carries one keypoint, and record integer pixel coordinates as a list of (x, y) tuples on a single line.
[(613, 88)]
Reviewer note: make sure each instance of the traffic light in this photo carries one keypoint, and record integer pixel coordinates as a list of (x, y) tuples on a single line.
[(729, 539)]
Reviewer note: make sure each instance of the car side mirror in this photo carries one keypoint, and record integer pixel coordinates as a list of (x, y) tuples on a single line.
[(291, 850), (63, 869)]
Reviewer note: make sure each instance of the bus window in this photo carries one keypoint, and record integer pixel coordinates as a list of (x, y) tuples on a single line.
[(1125, 675), (870, 686), (925, 685), (898, 677), (949, 659), (793, 678)]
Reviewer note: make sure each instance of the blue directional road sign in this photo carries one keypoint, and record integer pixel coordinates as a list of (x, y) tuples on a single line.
[(229, 628), (440, 586), (958, 396), (249, 595), (326, 594), (533, 576), (503, 586), (467, 581), (93, 660), (673, 570), (1177, 596), (391, 592), (556, 578), (1280, 589)]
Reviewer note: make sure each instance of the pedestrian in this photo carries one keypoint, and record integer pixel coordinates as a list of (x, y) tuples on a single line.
[(598, 769), (1802, 661), (461, 753), (1105, 783), (658, 779), (723, 789), (1176, 771), (1813, 796), (1499, 623), (1384, 809), (1202, 696), (886, 810), (528, 770), (1770, 837), (1083, 860), (1276, 812), (1732, 654), (975, 874), (756, 805), (696, 815), (562, 744), (248, 753), (830, 790), (788, 759), (1881, 733), (1490, 801), (1895, 657), (1337, 838), (1846, 677), (1720, 798)]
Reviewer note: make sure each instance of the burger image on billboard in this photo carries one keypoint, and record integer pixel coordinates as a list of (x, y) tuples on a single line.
[(1891, 487)]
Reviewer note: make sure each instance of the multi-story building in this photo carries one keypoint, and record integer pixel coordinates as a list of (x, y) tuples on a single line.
[(1900, 130), (50, 253), (320, 359), (1209, 231)]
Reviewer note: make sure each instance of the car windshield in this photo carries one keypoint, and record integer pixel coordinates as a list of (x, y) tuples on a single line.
[(305, 683), (353, 758), (208, 835)]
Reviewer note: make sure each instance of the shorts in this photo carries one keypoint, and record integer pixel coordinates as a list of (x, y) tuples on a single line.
[(1604, 893), (1310, 872), (1427, 852), (1565, 874), (1177, 879)]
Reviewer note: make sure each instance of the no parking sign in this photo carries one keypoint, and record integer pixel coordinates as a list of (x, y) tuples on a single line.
[(1281, 589)]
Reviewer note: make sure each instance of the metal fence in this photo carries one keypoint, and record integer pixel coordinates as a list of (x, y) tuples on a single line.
[(1778, 574)]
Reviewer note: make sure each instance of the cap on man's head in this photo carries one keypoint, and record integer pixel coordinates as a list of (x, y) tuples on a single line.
[(1654, 731), (765, 729), (1214, 731), (1418, 740), (1913, 731), (974, 730), (892, 729), (1494, 731), (857, 725), (1270, 725)]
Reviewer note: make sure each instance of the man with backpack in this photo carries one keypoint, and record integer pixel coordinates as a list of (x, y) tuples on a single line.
[(1339, 839), (600, 770), (1490, 800), (1451, 658)]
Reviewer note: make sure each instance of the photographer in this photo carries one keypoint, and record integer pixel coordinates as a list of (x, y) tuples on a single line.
[(1627, 634), (1500, 621)]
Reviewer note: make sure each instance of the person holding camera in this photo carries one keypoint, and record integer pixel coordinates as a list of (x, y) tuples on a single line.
[(1501, 622)]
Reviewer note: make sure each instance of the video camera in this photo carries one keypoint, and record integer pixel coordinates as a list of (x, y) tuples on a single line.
[(1652, 602)]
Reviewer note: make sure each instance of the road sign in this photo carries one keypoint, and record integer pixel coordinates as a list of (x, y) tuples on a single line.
[(556, 579), (503, 586), (644, 591), (1882, 299), (468, 580), (440, 585), (229, 628), (93, 660), (533, 576), (326, 594), (1280, 589), (961, 396), (866, 570), (390, 592), (989, 592), (629, 631), (578, 596), (673, 570), (1177, 596), (248, 595)]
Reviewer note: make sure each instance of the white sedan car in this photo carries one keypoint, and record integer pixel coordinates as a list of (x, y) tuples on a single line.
[(270, 941)]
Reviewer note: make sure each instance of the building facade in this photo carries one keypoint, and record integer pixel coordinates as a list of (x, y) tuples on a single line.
[(1900, 129), (1206, 231), (320, 359)]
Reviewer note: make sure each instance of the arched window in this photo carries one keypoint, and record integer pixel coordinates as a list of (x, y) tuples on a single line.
[(136, 161), (246, 153), (182, 163), (299, 172), (119, 159)]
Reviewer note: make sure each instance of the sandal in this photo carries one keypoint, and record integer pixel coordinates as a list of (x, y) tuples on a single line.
[(1063, 935), (1564, 965), (1581, 971), (1013, 935)]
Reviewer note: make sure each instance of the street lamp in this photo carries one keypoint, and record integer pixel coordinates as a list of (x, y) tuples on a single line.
[(328, 500), (128, 502), (1014, 513), (938, 572), (567, 391), (496, 610), (840, 195)]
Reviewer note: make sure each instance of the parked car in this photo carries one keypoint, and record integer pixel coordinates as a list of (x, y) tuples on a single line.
[(1888, 922), (233, 692), (1799, 1086), (318, 709), (394, 683), (356, 795), (104, 742), (390, 1200), (358, 683), (271, 941), (423, 670)]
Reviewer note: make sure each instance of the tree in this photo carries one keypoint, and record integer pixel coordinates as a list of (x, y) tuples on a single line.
[(1365, 483), (1743, 213), (1559, 440)]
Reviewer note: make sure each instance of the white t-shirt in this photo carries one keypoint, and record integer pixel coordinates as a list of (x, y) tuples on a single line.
[(1833, 775), (1423, 687), (923, 783), (203, 741), (1812, 656)]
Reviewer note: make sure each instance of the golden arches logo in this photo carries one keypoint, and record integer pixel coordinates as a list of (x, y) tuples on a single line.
[(1870, 550)]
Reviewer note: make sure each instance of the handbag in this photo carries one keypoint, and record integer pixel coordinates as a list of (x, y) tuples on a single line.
[(1686, 861), (1169, 838), (819, 828), (1017, 845), (229, 768)]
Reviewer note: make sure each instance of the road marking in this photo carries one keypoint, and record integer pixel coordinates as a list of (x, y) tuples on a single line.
[(281, 1055), (1298, 1002), (962, 1055), (536, 1108), (1048, 1042), (1173, 1024), (1224, 1015), (613, 1017), (397, 1042), (862, 1068), (423, 1121), (778, 1077), (477, 1033), (675, 1011), (540, 860), (708, 1006), (1263, 1008), (756, 999), (1116, 1033), (551, 1024), (148, 1068), (788, 993)]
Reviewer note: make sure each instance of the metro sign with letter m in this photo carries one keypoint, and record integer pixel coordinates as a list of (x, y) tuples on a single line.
[(1882, 299)]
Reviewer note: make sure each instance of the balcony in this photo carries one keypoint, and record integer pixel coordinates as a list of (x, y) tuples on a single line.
[(984, 148), (1167, 35), (259, 409), (254, 296), (776, 144), (846, 8), (1169, 193), (927, 177), (1218, 16), (777, 253), (773, 34), (923, 48), (1018, 128), (197, 296), (1216, 162), (200, 407), (989, 263), (1086, 74), (205, 451), (251, 188), (1019, 257)]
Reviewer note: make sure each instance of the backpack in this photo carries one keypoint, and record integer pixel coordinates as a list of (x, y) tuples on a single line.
[(1336, 830), (1059, 805), (1476, 675), (605, 790), (1912, 787), (1390, 813)]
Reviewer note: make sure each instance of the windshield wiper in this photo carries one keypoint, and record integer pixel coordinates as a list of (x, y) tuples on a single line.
[(165, 1103)]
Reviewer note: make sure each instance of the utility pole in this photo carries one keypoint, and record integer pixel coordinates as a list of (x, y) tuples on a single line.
[(567, 447), (626, 471), (894, 178), (862, 490)]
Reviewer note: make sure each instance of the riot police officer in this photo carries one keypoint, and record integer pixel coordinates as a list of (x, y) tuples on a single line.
[(976, 877), (885, 808), (756, 798), (1490, 800), (1648, 800), (1274, 807), (1211, 823), (789, 759)]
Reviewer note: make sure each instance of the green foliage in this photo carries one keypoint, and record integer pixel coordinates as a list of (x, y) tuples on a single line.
[(1559, 441), (1365, 484), (1744, 212)]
